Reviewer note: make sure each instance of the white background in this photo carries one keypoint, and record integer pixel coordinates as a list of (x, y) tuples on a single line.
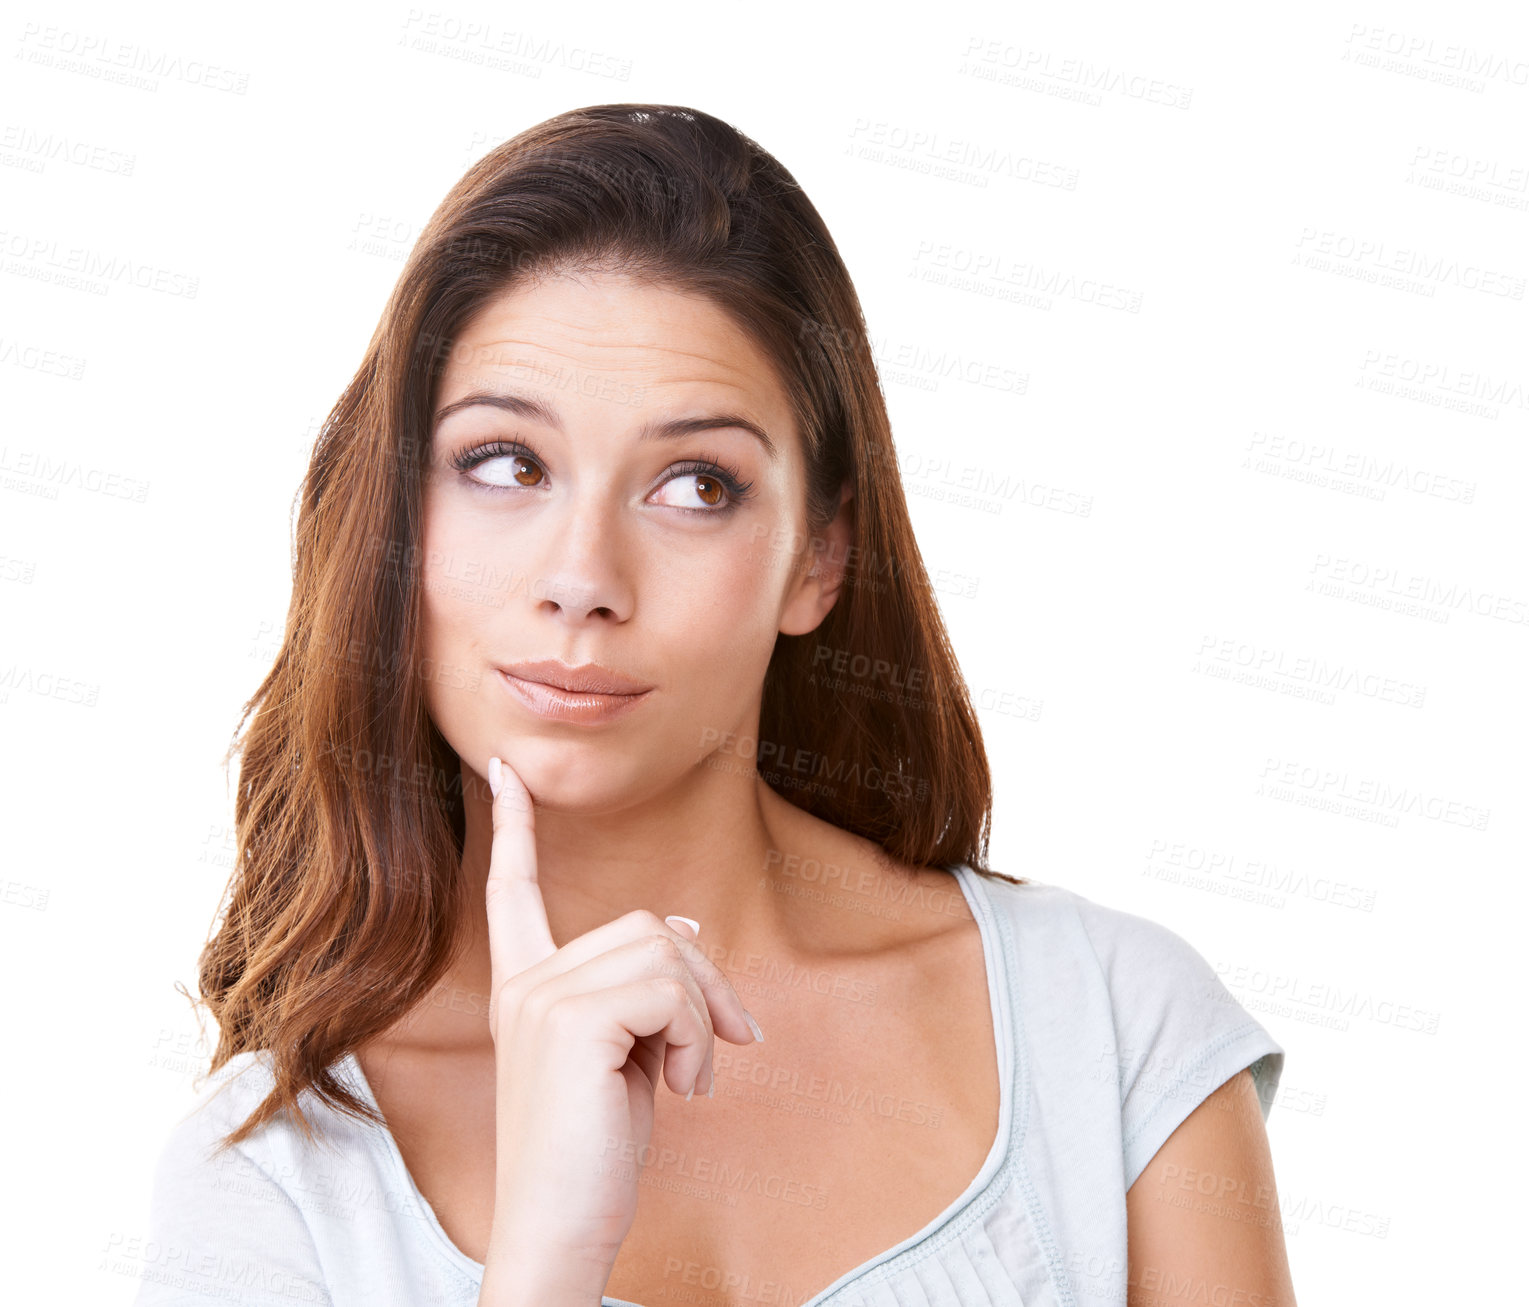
[(1300, 577)]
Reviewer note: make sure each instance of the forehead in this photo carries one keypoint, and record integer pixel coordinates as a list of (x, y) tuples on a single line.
[(580, 340)]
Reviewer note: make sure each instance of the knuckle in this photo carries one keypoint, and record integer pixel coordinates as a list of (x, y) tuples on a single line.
[(666, 953), (535, 1003), (558, 1013), (647, 921), (673, 989)]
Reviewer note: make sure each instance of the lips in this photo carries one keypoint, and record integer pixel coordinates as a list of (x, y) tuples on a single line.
[(585, 679), (588, 695)]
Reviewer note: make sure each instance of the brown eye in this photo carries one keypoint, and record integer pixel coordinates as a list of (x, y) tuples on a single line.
[(714, 492), (504, 470)]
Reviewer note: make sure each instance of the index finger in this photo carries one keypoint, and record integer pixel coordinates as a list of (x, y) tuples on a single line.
[(518, 934)]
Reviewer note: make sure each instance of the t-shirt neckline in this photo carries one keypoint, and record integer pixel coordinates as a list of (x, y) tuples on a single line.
[(999, 1006)]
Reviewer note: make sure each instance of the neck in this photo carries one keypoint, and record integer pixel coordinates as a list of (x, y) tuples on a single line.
[(721, 848), (700, 849)]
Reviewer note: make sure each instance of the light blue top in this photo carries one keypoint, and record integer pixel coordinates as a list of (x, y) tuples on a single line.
[(1110, 1030)]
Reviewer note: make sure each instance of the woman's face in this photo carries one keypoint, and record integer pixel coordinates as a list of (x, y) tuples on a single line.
[(595, 495)]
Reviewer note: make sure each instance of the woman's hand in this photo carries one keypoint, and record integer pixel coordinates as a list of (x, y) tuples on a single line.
[(581, 1035)]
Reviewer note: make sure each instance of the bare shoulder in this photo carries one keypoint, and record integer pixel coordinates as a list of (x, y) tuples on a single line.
[(1205, 1212)]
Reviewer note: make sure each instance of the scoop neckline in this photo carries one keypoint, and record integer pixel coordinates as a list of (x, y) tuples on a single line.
[(996, 966)]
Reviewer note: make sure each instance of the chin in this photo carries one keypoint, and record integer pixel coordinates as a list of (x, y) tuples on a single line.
[(564, 776)]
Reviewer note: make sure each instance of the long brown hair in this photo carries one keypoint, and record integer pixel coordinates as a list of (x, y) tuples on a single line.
[(346, 898)]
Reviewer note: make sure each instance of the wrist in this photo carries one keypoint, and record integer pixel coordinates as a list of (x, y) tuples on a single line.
[(523, 1271)]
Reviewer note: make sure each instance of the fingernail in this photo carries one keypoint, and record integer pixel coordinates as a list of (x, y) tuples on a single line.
[(694, 925), (712, 1091), (692, 1091), (753, 1025), (493, 776)]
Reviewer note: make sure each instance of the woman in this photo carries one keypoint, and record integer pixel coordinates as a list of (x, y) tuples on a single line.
[(613, 697)]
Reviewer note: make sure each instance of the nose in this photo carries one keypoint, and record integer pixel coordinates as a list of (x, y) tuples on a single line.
[(586, 573)]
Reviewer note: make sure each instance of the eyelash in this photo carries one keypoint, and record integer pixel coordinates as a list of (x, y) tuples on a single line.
[(732, 480)]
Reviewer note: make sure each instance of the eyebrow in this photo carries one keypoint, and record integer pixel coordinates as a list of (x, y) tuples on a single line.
[(535, 410)]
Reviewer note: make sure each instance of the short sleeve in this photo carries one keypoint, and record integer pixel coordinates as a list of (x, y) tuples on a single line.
[(1180, 1033), (221, 1229)]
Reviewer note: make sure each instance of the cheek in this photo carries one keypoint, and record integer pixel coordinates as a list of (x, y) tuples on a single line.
[(461, 595), (719, 611), (443, 648)]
